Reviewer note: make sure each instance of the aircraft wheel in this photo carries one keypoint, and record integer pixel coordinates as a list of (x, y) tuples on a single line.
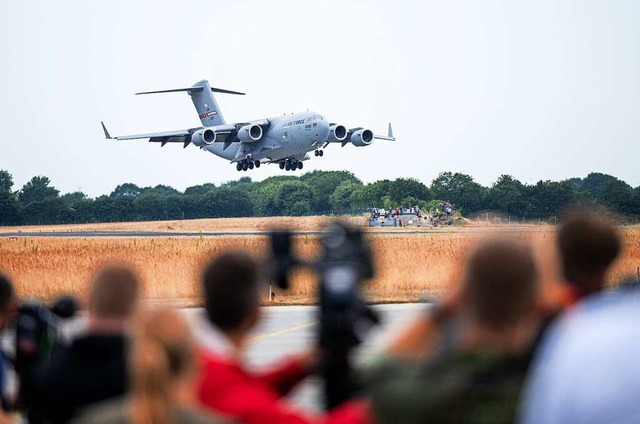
[(287, 166), (320, 152), (315, 153), (281, 165), (251, 165), (257, 164), (300, 165), (239, 166), (245, 166)]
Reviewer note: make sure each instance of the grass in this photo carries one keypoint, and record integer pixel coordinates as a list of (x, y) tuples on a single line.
[(408, 266)]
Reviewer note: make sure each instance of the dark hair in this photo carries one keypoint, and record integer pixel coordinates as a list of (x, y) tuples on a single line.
[(501, 282), (588, 245), (230, 285), (114, 292), (6, 293)]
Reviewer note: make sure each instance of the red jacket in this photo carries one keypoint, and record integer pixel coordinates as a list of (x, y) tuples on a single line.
[(227, 387)]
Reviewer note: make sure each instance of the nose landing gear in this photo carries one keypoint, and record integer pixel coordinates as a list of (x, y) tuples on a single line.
[(318, 152)]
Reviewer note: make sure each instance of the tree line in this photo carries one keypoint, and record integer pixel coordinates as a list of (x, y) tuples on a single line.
[(317, 192)]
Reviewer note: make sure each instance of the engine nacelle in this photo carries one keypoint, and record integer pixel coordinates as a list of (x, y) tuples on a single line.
[(203, 137), (362, 138), (337, 133), (250, 133)]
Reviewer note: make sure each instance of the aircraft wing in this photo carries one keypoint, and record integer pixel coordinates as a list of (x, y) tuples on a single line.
[(388, 137), (179, 136)]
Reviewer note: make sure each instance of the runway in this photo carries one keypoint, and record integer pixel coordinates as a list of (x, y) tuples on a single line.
[(160, 234)]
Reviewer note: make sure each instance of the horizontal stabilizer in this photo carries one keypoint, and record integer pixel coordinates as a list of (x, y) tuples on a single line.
[(193, 89)]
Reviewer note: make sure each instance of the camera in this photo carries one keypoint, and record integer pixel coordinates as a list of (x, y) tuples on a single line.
[(345, 263), (37, 337)]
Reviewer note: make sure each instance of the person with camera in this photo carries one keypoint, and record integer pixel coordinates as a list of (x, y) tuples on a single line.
[(466, 361), (231, 299), (164, 373), (8, 309), (94, 367)]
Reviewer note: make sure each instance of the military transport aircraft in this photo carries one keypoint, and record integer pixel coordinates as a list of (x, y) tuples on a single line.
[(284, 140)]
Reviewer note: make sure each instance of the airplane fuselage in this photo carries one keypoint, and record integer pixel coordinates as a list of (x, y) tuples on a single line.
[(287, 136), (284, 140)]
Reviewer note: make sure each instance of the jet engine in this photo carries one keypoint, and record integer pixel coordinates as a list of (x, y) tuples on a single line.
[(362, 138), (203, 137), (250, 133), (337, 133)]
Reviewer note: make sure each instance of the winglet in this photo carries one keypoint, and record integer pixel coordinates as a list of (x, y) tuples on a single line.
[(390, 135), (106, 133)]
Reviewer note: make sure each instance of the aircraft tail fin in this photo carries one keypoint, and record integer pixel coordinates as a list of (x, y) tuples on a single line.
[(202, 96)]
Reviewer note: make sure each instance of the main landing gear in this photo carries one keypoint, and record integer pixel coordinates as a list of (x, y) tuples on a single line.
[(246, 164), (291, 164), (318, 152)]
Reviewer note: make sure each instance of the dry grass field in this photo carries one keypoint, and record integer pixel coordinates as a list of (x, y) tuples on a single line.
[(409, 266), (306, 223)]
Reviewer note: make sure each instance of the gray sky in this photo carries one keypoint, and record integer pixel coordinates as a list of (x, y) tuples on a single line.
[(538, 89)]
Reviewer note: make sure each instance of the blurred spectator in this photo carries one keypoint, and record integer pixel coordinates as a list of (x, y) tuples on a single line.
[(163, 377), (587, 370), (93, 368), (588, 245), (231, 297), (472, 370), (8, 309)]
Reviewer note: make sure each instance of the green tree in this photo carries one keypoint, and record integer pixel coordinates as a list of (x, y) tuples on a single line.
[(548, 198), (596, 182), (323, 184), (199, 189), (37, 189), (294, 197), (620, 197), (226, 202), (50, 210), (264, 200), (105, 209), (128, 190), (372, 194), (342, 199), (10, 212), (71, 199), (459, 189), (150, 206), (6, 180), (508, 195), (162, 190), (402, 188)]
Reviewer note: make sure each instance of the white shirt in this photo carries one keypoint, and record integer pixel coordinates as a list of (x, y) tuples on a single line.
[(588, 368)]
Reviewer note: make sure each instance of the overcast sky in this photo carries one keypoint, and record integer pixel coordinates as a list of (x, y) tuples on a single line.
[(535, 89)]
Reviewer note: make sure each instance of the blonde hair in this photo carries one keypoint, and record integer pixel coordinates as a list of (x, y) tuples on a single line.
[(163, 352)]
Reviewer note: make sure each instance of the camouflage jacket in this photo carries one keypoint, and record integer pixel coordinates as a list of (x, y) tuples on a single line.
[(454, 387)]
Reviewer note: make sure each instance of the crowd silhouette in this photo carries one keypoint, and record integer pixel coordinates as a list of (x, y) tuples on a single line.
[(494, 350)]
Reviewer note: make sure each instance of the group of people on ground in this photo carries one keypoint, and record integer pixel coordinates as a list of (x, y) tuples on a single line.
[(392, 213), (491, 352)]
